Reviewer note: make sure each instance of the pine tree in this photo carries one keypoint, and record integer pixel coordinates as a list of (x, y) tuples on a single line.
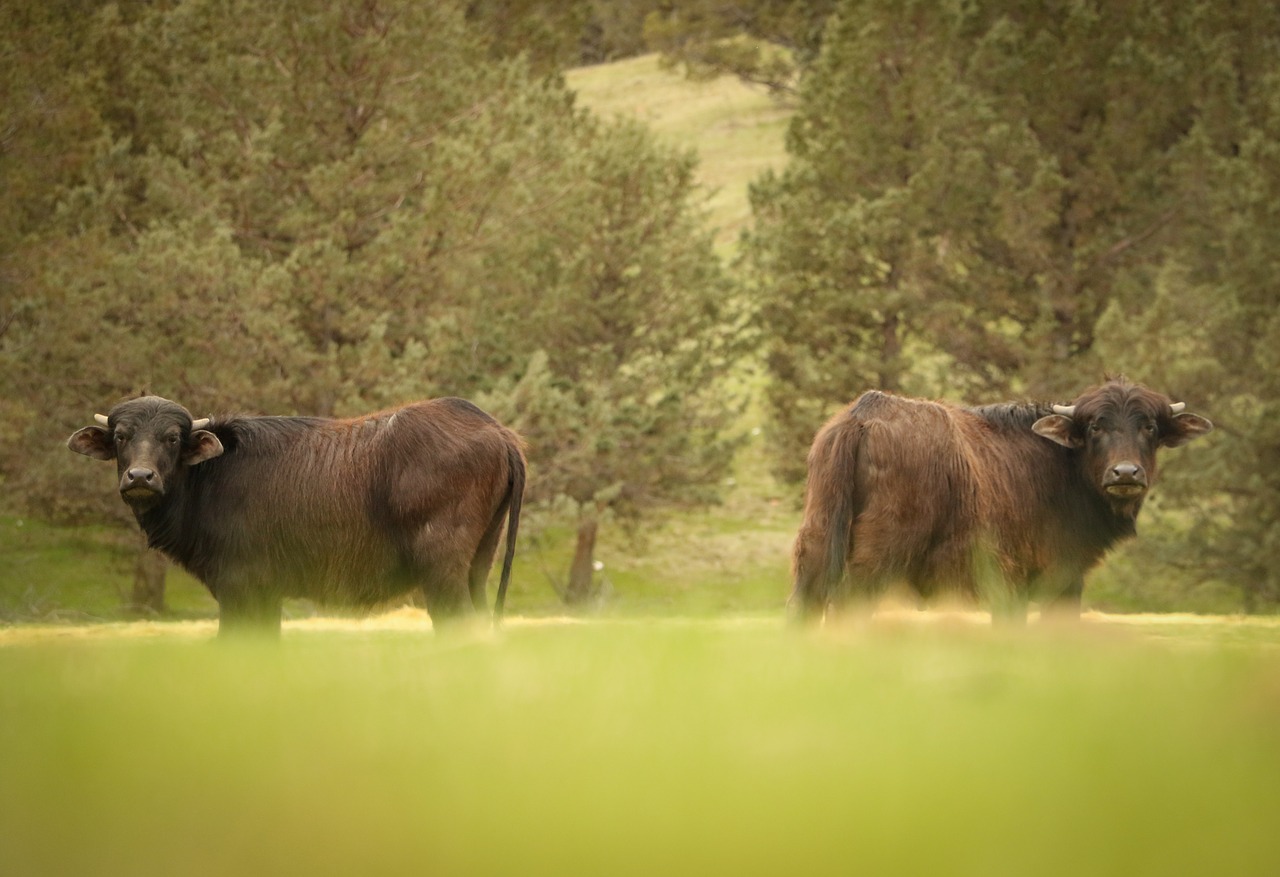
[(1207, 325), (764, 42), (340, 207), (969, 188)]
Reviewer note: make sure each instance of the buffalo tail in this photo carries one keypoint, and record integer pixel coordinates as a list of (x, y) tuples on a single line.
[(515, 500), (831, 504)]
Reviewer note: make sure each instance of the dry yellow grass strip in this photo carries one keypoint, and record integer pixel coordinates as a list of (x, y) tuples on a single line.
[(409, 619)]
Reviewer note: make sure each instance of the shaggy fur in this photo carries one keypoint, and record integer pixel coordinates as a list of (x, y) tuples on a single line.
[(1007, 502)]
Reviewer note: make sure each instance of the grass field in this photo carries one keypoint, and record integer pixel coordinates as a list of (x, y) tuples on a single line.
[(643, 747)]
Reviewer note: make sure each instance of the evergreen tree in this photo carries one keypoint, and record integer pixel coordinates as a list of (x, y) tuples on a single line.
[(1207, 324), (969, 188), (340, 207), (623, 399), (766, 42), (865, 245), (547, 33)]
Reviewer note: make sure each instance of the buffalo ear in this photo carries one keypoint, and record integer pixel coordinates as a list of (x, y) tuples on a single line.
[(201, 445), (1057, 428), (93, 441), (1185, 428)]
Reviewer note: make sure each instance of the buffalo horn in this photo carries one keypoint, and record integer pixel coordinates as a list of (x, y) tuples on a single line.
[(101, 418), (1177, 407), (1065, 410), (199, 424)]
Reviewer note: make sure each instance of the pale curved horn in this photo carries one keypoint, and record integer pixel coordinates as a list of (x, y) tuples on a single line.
[(102, 419), (199, 424), (1177, 407), (1065, 410)]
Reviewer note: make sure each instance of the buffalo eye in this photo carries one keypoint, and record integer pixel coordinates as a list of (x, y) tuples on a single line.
[(122, 438), (172, 440), (1095, 428)]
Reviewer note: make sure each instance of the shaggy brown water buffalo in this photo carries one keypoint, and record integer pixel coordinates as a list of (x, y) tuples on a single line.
[(348, 512), (1006, 502)]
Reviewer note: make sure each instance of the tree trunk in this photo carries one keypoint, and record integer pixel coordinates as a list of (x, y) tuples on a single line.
[(1249, 594), (583, 568), (890, 355), (148, 582)]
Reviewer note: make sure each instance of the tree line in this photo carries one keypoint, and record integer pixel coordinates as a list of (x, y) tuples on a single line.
[(335, 207), (338, 207), (998, 199)]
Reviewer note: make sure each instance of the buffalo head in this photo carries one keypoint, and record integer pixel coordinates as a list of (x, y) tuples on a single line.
[(150, 439), (1117, 428)]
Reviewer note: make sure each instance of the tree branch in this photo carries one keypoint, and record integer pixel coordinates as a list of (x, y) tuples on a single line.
[(1119, 248)]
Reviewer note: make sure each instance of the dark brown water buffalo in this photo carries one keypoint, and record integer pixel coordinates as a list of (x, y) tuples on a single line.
[(1008, 502), (347, 512)]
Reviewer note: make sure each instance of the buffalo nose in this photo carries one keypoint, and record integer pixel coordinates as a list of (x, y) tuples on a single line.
[(138, 476), (1126, 472)]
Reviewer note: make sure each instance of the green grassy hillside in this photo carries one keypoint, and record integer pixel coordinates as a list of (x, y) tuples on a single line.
[(736, 129)]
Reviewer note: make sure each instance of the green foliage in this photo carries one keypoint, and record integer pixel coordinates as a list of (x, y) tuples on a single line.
[(346, 206), (970, 188), (554, 35), (767, 42), (360, 203), (48, 119), (1005, 199), (624, 748), (1207, 324), (888, 221), (632, 391), (80, 574), (548, 33)]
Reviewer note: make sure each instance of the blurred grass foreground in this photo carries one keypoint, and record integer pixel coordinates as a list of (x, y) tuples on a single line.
[(643, 747)]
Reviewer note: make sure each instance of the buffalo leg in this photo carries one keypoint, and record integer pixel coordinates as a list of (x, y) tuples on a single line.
[(447, 592), (447, 603), (482, 562), (1008, 606), (812, 591), (808, 602), (442, 556), (1005, 600), (1063, 602), (1009, 612), (987, 576), (248, 612), (802, 608)]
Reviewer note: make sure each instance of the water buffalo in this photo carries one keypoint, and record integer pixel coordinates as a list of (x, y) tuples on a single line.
[(1006, 502), (347, 512)]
